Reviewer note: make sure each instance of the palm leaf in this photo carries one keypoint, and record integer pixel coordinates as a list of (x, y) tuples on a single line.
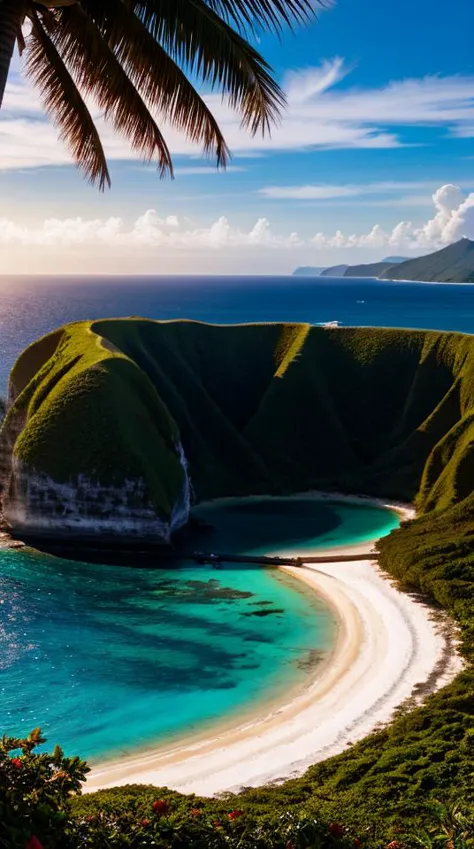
[(99, 74), (198, 39), (159, 79), (264, 14), (64, 103)]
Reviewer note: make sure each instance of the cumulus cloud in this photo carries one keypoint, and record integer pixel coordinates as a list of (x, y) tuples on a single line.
[(320, 114), (453, 218), (148, 231)]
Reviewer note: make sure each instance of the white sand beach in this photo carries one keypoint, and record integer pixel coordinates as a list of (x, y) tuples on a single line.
[(389, 648)]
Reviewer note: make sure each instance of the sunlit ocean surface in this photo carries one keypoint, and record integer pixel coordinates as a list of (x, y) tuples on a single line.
[(31, 306), (110, 659)]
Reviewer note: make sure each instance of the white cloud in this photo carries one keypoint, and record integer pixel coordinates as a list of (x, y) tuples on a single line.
[(149, 231), (152, 235), (305, 83), (463, 131), (325, 191), (319, 115), (453, 220), (322, 192)]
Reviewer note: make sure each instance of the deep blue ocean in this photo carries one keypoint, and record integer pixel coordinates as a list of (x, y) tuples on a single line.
[(31, 306)]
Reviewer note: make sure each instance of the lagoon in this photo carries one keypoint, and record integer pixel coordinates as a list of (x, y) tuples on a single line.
[(109, 660)]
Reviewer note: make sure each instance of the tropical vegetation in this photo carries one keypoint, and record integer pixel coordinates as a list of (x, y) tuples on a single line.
[(141, 64), (41, 808)]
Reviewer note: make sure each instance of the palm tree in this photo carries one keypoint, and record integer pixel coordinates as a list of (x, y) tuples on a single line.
[(136, 59)]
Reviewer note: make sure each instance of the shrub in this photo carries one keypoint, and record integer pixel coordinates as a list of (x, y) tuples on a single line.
[(34, 793)]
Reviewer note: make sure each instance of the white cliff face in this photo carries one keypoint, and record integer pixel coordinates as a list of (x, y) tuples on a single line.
[(180, 513), (35, 504)]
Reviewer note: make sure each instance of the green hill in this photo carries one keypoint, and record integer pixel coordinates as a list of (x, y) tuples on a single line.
[(454, 264), (101, 411), (372, 269), (308, 271), (88, 445), (334, 271)]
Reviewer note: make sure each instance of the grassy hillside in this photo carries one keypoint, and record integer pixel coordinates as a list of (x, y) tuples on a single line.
[(372, 269), (454, 264), (283, 407), (90, 409), (260, 408)]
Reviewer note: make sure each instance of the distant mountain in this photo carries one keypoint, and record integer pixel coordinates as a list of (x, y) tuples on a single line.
[(307, 271), (393, 259), (334, 271), (454, 264), (372, 269)]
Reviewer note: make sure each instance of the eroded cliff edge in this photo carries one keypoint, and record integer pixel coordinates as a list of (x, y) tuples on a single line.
[(88, 449)]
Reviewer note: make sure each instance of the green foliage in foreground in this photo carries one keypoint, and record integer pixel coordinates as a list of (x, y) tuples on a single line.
[(40, 809), (35, 790)]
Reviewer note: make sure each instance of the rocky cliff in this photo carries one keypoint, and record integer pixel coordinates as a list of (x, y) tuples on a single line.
[(69, 465)]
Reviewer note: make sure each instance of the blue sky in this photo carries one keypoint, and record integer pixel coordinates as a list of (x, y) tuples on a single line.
[(380, 118)]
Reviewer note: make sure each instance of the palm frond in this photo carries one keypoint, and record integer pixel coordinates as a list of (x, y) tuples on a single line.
[(159, 79), (265, 14), (64, 103), (98, 73), (207, 46)]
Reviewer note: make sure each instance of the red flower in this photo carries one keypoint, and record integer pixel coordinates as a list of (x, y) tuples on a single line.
[(217, 824), (195, 812), (160, 807), (336, 829), (290, 845), (17, 763), (145, 823), (395, 844), (234, 815), (34, 843)]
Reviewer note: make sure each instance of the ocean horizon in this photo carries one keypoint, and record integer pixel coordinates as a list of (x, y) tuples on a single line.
[(32, 306)]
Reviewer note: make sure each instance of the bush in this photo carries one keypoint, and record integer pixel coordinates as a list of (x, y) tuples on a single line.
[(34, 793), (41, 808), (37, 812)]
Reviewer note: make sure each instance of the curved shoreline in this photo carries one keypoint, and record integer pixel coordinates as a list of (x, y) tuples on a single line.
[(389, 648)]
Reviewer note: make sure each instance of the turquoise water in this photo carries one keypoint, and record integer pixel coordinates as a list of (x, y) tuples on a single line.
[(298, 524), (107, 659)]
